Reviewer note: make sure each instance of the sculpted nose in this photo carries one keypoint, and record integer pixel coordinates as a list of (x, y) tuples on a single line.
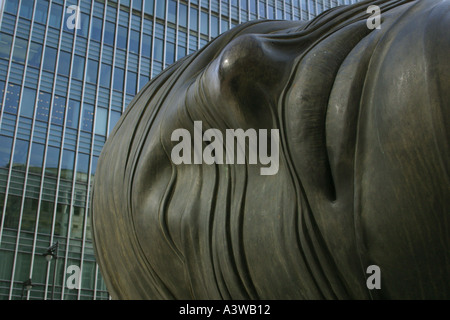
[(252, 61)]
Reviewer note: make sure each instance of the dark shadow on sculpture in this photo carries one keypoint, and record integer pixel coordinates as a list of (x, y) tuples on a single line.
[(363, 176)]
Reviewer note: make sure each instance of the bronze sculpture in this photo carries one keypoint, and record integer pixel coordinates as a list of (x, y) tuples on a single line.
[(363, 176)]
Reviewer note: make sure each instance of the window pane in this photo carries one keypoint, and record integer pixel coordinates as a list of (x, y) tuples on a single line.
[(5, 150), (20, 154), (131, 82), (204, 23), (91, 73), (73, 112), (181, 52), (183, 15), (170, 53), (78, 67), (148, 6), (88, 117), (84, 25), (82, 167), (55, 16), (122, 38), (172, 11), (253, 6), (34, 56), (5, 45), (27, 104), (67, 164), (193, 19), (26, 9), (146, 45), (214, 26), (137, 4), (96, 30), (49, 59), (158, 54), (52, 161), (43, 106), (110, 30), (11, 6), (40, 15), (59, 106), (160, 8), (105, 76), (114, 118), (101, 118), (143, 81), (118, 79), (12, 98), (64, 63), (20, 50), (36, 157), (134, 41)]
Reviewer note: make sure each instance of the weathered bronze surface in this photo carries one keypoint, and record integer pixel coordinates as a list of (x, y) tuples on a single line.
[(363, 180)]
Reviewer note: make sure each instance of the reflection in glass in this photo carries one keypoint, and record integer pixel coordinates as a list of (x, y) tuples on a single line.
[(51, 164), (36, 157), (73, 113), (88, 117), (43, 106), (5, 150), (12, 98), (67, 164), (82, 167), (20, 154), (59, 106)]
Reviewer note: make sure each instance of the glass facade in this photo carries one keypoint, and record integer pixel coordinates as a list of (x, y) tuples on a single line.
[(64, 82)]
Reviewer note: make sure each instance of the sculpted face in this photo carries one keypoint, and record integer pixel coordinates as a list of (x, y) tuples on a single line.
[(357, 120)]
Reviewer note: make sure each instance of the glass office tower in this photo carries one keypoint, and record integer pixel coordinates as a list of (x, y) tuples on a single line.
[(64, 83)]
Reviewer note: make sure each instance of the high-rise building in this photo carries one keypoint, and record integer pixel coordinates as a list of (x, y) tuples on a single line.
[(65, 79)]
